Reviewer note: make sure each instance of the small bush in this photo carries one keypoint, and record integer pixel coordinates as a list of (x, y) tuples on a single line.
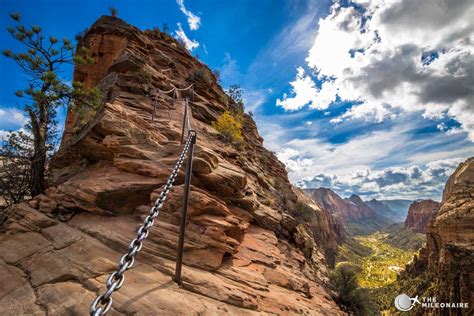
[(200, 75), (302, 212), (224, 99), (230, 127), (217, 74)]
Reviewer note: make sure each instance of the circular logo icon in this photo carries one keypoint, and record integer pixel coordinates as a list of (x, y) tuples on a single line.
[(403, 303)]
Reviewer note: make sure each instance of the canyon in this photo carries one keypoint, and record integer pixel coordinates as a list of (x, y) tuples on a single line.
[(445, 266), (357, 216)]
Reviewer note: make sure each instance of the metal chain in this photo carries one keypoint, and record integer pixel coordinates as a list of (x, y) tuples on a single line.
[(101, 305)]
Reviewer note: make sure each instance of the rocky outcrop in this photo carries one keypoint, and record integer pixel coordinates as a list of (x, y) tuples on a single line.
[(445, 267), (359, 209), (420, 213), (332, 203), (246, 250), (350, 212)]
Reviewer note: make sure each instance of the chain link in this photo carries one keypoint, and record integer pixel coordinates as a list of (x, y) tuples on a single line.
[(102, 304)]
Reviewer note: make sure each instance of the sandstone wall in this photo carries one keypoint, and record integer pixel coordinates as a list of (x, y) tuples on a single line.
[(445, 267), (420, 213)]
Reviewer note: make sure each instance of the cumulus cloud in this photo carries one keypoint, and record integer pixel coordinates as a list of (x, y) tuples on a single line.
[(12, 117), (305, 157), (194, 21), (391, 57), (386, 163), (410, 182), (304, 92), (188, 43), (3, 135)]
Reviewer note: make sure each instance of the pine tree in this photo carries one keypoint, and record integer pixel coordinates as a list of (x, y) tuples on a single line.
[(46, 91)]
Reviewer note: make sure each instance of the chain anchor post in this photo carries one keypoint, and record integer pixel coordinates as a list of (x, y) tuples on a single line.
[(184, 212), (185, 117)]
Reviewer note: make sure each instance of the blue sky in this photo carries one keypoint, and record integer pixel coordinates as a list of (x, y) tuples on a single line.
[(357, 96)]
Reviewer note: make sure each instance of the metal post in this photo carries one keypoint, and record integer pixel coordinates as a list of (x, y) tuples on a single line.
[(184, 120), (182, 227)]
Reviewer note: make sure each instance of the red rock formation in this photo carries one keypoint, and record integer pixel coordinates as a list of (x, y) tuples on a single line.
[(447, 262), (420, 213), (349, 210), (245, 252), (333, 203)]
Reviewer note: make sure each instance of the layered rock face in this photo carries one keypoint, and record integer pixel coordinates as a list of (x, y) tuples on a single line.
[(245, 251), (420, 213), (448, 259), (348, 210), (333, 203)]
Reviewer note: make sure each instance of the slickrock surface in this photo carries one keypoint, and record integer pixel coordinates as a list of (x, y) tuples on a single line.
[(245, 253), (420, 213), (447, 262)]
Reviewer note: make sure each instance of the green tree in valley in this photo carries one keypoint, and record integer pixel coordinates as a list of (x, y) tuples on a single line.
[(41, 62)]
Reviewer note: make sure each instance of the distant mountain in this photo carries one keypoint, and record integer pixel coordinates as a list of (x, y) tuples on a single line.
[(384, 210), (420, 214), (357, 216), (399, 209)]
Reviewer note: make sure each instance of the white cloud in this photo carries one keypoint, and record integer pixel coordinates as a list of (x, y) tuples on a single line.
[(392, 57), (12, 116), (358, 153), (372, 157), (3, 135), (188, 43), (412, 182), (253, 100), (194, 21), (304, 91)]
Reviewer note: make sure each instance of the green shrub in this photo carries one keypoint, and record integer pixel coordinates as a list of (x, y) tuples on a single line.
[(224, 99), (230, 127), (302, 212), (217, 74), (200, 75), (350, 296)]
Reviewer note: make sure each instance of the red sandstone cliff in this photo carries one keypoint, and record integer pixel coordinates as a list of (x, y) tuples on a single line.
[(445, 267), (348, 211), (245, 251), (420, 213)]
